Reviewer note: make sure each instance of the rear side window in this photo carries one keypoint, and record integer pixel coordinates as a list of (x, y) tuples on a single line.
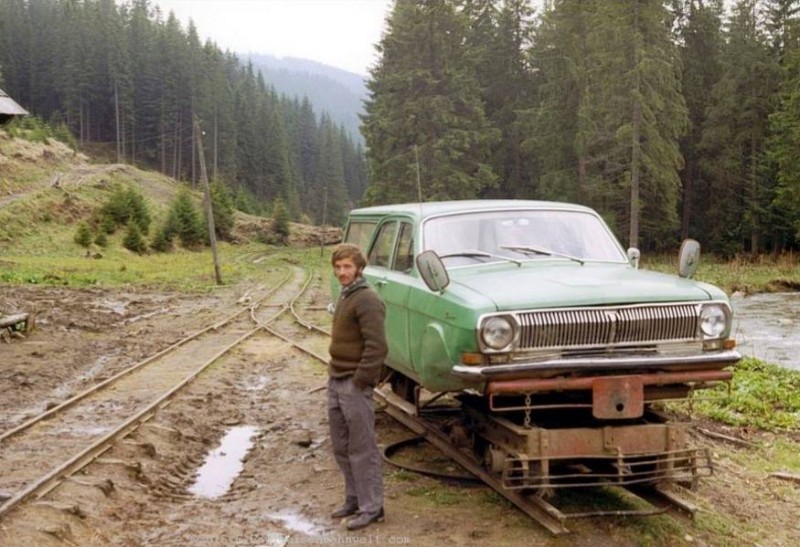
[(381, 253), (360, 233)]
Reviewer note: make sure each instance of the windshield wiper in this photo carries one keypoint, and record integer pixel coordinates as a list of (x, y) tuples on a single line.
[(475, 253), (538, 251)]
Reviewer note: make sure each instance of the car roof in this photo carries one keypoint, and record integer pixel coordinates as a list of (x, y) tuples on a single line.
[(435, 208)]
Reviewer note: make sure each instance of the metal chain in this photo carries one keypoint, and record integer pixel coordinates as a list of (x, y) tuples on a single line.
[(527, 422)]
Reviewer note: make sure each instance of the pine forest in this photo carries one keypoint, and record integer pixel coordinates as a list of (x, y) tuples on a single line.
[(672, 118)]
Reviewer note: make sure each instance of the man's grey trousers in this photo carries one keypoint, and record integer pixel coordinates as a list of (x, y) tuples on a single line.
[(351, 415)]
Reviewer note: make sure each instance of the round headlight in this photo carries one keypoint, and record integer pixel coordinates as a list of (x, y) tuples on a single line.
[(713, 321), (497, 332)]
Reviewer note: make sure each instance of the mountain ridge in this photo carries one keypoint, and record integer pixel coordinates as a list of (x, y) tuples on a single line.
[(331, 90)]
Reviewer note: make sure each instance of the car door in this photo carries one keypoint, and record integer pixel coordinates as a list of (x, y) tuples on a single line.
[(391, 260)]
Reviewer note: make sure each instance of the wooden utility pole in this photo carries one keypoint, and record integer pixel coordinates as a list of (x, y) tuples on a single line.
[(324, 220), (212, 237), (116, 112)]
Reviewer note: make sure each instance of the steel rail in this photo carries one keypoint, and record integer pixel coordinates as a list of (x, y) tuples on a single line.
[(105, 383), (303, 322), (51, 480), (84, 458), (536, 508)]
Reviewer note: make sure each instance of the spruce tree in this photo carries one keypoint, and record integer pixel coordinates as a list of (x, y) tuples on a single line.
[(222, 205), (184, 221), (700, 33), (424, 116), (735, 135)]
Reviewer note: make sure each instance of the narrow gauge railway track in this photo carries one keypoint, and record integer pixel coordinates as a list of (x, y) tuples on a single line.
[(413, 418), (143, 363), (91, 422), (424, 423)]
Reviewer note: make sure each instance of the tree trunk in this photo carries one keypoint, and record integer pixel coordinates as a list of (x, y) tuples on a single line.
[(688, 188), (636, 145)]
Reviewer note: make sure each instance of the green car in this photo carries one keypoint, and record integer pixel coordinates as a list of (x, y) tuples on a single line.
[(553, 343), (491, 290)]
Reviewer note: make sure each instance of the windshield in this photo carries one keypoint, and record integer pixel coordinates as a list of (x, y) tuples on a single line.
[(492, 236)]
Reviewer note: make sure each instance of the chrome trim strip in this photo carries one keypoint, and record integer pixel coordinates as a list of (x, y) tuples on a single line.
[(495, 372)]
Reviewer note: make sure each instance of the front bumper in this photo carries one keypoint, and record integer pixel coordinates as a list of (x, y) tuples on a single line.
[(512, 371)]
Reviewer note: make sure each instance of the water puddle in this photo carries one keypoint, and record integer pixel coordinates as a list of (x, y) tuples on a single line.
[(224, 463), (261, 383), (296, 522), (120, 308), (767, 326)]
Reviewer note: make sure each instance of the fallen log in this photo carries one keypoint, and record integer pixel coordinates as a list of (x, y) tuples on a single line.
[(12, 326), (786, 477), (722, 437), (16, 322)]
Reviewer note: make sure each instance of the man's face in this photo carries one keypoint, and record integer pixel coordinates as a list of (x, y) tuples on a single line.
[(345, 271)]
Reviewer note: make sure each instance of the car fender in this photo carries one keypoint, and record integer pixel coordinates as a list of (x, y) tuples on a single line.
[(435, 361)]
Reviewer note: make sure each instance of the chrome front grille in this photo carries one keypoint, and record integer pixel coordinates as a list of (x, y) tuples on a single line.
[(608, 326)]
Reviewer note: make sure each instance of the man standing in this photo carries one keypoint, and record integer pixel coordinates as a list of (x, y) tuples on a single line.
[(358, 349)]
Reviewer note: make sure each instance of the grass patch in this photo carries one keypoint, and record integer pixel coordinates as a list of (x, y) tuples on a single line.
[(762, 395), (405, 476), (764, 273), (178, 270), (777, 454), (436, 495)]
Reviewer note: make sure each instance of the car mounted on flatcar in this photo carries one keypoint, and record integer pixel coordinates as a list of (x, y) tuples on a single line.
[(554, 341)]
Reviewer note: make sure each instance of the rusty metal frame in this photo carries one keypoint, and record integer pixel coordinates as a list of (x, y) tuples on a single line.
[(630, 392)]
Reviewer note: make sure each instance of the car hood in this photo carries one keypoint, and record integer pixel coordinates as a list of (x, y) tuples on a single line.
[(570, 284)]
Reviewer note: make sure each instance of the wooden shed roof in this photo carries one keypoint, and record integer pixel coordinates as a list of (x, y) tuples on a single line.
[(9, 107)]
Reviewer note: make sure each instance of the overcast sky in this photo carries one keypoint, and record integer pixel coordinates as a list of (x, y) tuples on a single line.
[(341, 33)]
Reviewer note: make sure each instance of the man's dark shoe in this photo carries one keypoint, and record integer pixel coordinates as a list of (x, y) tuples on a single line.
[(364, 519), (350, 507)]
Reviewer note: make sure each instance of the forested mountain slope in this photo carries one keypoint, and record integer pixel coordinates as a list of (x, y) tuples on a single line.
[(123, 76)]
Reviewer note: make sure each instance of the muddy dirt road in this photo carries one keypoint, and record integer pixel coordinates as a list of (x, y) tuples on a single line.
[(178, 481)]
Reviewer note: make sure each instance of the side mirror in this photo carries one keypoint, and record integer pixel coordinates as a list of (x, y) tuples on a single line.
[(688, 258), (633, 257), (432, 270)]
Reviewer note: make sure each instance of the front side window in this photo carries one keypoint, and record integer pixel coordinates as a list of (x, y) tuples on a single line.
[(381, 253)]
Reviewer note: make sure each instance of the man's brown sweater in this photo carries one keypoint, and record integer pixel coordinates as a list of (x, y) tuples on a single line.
[(358, 341)]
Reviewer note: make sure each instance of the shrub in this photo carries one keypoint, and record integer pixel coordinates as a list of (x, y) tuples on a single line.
[(162, 242), (83, 236), (280, 221), (124, 206), (133, 240), (107, 224), (101, 240)]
